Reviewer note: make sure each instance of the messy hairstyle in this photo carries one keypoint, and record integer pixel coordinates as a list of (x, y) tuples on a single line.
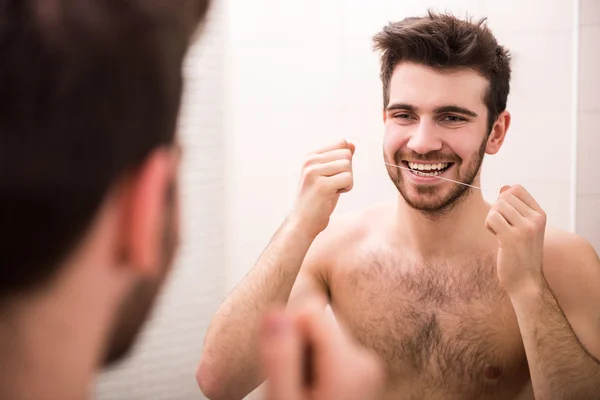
[(444, 42), (88, 89)]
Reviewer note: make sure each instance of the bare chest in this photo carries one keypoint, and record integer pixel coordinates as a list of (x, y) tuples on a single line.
[(439, 328)]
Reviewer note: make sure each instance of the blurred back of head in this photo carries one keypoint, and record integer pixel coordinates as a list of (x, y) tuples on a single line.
[(88, 89)]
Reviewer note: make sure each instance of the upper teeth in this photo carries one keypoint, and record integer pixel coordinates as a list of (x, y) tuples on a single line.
[(427, 167)]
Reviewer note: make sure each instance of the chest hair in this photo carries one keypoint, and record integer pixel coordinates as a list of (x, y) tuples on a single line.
[(445, 322)]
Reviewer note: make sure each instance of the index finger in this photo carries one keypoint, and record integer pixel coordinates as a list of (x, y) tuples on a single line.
[(340, 144), (522, 194)]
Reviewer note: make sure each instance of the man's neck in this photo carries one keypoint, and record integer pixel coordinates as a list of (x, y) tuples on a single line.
[(458, 230), (42, 356), (50, 343)]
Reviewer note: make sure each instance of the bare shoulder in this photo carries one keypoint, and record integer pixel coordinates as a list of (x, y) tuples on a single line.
[(336, 245), (570, 256), (572, 270), (354, 226), (346, 233)]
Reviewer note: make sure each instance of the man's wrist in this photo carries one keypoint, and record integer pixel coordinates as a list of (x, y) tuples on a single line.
[(296, 227), (528, 289)]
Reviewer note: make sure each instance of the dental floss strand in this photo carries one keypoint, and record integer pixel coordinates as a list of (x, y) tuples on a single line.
[(437, 176)]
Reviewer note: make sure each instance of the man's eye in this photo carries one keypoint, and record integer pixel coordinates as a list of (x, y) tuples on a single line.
[(402, 116), (453, 118)]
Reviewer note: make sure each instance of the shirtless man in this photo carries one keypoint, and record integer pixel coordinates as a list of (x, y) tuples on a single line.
[(460, 299)]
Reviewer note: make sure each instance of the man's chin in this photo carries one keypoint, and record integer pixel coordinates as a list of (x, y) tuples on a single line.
[(435, 202), (130, 320), (118, 353), (431, 199), (428, 207), (124, 339)]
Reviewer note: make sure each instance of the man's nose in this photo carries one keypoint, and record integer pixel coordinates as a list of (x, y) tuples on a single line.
[(425, 139)]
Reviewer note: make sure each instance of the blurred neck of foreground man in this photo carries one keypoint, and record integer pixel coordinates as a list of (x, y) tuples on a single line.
[(89, 97)]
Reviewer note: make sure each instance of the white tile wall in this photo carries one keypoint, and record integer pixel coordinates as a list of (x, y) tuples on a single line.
[(588, 219), (360, 86), (401, 9), (590, 12), (530, 15), (588, 162), (588, 134), (284, 21), (361, 19), (589, 68), (285, 75), (542, 67), (537, 148)]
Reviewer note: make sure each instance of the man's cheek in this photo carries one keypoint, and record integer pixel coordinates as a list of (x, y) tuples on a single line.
[(392, 144)]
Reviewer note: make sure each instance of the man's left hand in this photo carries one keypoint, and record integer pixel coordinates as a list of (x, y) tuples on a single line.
[(519, 224)]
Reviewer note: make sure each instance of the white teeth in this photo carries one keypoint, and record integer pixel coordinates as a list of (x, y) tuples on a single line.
[(426, 174), (427, 167)]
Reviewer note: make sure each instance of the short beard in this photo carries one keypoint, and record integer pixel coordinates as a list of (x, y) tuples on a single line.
[(457, 195)]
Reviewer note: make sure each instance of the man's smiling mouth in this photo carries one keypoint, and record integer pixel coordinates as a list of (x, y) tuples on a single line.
[(427, 169)]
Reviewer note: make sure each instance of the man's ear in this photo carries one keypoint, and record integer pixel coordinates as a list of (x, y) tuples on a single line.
[(384, 116), (144, 210), (498, 133)]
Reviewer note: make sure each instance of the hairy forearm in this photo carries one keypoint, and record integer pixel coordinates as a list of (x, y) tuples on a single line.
[(230, 351), (560, 366)]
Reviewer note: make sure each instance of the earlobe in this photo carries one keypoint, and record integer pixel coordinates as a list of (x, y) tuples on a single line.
[(498, 133), (144, 210)]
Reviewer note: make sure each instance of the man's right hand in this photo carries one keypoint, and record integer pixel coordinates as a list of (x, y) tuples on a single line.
[(339, 369), (326, 174)]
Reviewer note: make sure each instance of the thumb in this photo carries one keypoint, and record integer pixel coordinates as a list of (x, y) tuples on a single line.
[(281, 357), (504, 188)]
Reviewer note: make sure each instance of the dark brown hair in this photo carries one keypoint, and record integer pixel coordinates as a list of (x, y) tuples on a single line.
[(445, 42), (88, 89)]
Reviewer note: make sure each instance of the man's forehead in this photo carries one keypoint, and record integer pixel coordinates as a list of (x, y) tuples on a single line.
[(427, 87)]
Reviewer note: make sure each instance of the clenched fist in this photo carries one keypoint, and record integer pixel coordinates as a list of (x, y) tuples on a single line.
[(326, 174), (519, 224)]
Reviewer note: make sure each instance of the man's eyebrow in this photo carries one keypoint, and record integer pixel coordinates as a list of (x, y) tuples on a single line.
[(455, 109), (437, 110), (401, 106)]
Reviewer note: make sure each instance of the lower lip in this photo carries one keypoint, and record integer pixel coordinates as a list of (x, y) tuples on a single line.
[(420, 179)]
